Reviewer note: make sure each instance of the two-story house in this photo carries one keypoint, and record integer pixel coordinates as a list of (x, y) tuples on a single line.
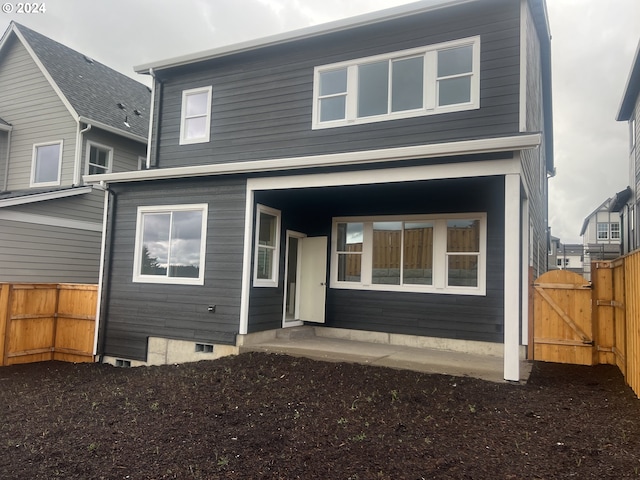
[(385, 173), (63, 115), (628, 201), (601, 235)]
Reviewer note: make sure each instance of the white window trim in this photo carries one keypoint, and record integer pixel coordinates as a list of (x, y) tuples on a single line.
[(87, 162), (440, 269), (142, 162), (34, 158), (137, 276), (275, 270), (430, 93), (183, 112)]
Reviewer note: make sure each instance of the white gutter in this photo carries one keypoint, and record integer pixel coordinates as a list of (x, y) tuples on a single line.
[(304, 33), (117, 131), (39, 197), (78, 160), (469, 147)]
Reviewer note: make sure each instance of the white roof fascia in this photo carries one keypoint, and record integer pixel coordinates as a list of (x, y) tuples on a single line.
[(116, 131), (468, 147), (303, 33), (40, 197), (6, 128), (45, 72)]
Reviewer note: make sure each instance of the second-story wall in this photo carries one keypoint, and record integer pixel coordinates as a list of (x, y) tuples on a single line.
[(126, 153), (262, 100), (30, 104)]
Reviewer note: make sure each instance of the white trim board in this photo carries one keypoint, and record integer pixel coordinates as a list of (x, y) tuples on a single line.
[(41, 197), (467, 147), (50, 221)]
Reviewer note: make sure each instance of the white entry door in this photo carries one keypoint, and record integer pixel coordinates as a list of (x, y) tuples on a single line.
[(313, 278)]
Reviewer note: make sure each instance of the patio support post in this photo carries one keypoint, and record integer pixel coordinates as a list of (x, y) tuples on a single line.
[(512, 266)]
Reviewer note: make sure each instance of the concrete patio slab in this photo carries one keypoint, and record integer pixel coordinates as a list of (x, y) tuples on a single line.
[(426, 360)]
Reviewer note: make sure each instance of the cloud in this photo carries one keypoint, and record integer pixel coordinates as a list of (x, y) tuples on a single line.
[(592, 49)]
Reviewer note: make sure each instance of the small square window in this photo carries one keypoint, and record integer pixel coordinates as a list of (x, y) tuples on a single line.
[(195, 125), (99, 158), (47, 164)]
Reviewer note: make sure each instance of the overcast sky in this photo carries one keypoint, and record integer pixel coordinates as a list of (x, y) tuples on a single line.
[(593, 46)]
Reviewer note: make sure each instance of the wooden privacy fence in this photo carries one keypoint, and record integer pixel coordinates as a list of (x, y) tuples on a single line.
[(40, 322), (590, 323)]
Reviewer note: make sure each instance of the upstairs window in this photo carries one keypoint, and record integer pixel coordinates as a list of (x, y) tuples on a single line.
[(422, 81), (99, 158), (47, 164), (603, 231), (615, 231), (195, 116)]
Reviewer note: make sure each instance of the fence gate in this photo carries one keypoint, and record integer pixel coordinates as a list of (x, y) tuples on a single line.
[(562, 319)]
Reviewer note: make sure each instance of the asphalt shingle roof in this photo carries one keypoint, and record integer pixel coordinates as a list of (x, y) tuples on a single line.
[(93, 89)]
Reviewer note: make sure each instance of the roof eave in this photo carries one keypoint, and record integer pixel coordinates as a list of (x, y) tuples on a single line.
[(116, 131), (40, 197), (632, 89), (487, 145), (301, 34)]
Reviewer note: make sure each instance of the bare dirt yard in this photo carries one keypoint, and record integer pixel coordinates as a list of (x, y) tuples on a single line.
[(264, 416)]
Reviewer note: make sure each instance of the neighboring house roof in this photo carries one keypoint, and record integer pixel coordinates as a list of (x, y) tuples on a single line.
[(620, 200), (603, 206), (632, 90), (91, 90), (21, 197)]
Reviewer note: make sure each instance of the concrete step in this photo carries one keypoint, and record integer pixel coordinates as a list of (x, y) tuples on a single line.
[(303, 331)]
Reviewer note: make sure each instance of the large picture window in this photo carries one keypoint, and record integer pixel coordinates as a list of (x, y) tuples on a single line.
[(47, 164), (267, 247), (422, 81), (423, 253), (170, 244), (196, 116)]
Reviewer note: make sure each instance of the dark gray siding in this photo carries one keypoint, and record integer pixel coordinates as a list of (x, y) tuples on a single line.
[(137, 311), (262, 100), (449, 316), (534, 161)]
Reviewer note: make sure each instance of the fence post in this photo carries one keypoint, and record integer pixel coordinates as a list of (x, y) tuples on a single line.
[(603, 312), (4, 314)]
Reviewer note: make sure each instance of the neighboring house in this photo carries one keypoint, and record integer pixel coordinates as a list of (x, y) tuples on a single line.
[(383, 174), (628, 201), (63, 115), (601, 235), (565, 256)]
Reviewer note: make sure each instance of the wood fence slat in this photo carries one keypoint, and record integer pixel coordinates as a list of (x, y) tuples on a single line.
[(4, 313), (574, 326), (47, 322)]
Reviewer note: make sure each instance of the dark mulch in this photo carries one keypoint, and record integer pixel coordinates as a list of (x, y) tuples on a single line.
[(278, 417)]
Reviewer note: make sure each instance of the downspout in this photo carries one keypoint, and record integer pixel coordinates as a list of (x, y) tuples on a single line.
[(105, 292), (156, 143), (151, 111), (5, 184), (78, 163)]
